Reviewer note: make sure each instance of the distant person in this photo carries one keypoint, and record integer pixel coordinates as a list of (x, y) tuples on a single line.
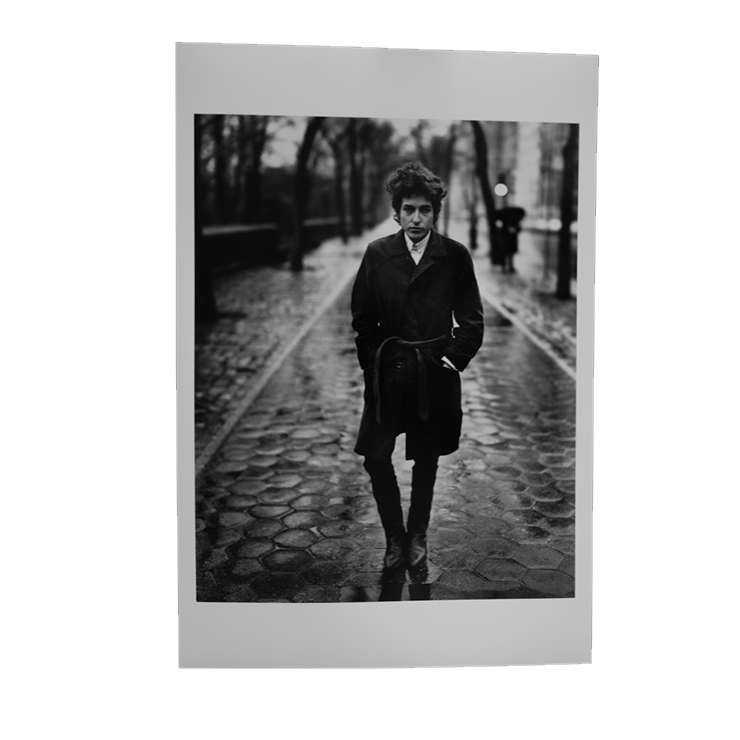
[(409, 287), (511, 246), (510, 219)]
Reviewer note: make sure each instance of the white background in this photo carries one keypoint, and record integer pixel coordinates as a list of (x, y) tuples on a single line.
[(89, 535)]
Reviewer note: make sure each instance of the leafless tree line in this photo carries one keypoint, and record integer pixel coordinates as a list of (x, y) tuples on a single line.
[(339, 169)]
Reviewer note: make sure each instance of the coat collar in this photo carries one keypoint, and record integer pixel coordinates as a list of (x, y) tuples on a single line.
[(435, 247)]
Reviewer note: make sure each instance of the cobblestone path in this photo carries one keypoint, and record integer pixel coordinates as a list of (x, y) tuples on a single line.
[(263, 308), (231, 352), (527, 295), (285, 511), (552, 321)]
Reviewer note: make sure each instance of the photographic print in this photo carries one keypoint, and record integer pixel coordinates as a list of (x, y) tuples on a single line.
[(375, 421), (385, 355)]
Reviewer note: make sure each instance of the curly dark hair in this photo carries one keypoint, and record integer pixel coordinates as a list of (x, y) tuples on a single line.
[(413, 180)]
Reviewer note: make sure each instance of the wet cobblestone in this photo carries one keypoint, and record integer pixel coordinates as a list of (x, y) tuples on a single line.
[(263, 308), (528, 295), (231, 352), (286, 512)]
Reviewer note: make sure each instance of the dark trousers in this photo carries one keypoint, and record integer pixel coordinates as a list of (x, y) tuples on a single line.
[(388, 496), (379, 466)]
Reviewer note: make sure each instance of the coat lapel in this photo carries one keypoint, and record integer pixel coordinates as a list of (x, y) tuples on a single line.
[(398, 245), (435, 249), (398, 250)]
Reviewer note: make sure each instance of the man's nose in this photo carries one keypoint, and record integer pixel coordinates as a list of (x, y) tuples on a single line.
[(417, 217)]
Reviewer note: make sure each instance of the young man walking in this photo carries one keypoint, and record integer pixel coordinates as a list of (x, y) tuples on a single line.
[(409, 288)]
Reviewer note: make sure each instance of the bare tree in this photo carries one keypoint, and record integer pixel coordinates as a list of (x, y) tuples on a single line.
[(205, 302), (355, 178), (449, 163), (220, 157), (417, 134), (567, 200), (382, 158), (301, 192), (481, 169), (335, 135), (470, 203), (252, 137), (360, 133)]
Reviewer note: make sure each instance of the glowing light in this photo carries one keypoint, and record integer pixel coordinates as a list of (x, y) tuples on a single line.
[(501, 189)]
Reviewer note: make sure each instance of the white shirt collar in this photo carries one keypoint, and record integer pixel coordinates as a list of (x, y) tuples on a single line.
[(420, 246)]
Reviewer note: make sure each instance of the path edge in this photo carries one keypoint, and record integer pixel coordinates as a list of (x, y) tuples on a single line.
[(266, 374)]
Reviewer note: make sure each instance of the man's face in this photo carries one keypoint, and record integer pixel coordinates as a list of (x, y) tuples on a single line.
[(416, 217)]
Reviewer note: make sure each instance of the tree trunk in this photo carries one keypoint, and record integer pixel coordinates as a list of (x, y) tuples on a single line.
[(336, 148), (205, 301), (365, 138), (449, 161), (251, 141), (355, 185), (481, 169), (473, 216), (253, 194), (254, 172), (570, 153), (302, 191), (222, 191)]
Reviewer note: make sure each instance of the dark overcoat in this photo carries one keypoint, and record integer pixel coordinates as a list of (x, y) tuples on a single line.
[(394, 297)]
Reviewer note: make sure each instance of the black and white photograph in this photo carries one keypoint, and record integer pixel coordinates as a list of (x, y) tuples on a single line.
[(384, 356), (385, 333)]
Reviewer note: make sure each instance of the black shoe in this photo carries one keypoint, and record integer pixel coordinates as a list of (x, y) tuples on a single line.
[(416, 550), (394, 552)]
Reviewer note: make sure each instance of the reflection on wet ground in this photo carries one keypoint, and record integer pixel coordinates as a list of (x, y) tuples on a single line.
[(285, 512)]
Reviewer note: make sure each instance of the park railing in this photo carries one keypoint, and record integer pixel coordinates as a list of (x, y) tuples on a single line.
[(241, 245), (249, 245)]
